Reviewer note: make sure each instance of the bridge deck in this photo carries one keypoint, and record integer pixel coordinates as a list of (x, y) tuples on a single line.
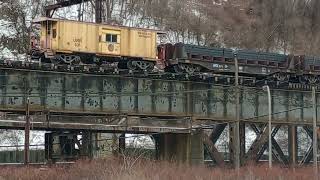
[(67, 93)]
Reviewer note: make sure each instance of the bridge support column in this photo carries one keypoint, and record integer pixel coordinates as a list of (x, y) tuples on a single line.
[(105, 145), (242, 134), (182, 148), (292, 145), (122, 143), (197, 147), (66, 145), (233, 148), (89, 144)]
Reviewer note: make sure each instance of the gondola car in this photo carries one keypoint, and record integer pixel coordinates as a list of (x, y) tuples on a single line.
[(190, 59)]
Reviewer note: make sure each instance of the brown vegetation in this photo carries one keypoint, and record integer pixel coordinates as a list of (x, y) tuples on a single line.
[(147, 170)]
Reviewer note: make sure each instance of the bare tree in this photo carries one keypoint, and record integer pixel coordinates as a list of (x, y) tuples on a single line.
[(287, 25), (18, 14)]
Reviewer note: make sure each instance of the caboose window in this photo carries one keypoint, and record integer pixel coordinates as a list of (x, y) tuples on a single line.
[(108, 38), (114, 38), (111, 38)]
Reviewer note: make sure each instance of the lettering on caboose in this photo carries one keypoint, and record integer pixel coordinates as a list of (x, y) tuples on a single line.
[(77, 42), (144, 34)]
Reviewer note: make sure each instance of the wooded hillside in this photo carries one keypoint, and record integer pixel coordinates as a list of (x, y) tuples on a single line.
[(289, 26)]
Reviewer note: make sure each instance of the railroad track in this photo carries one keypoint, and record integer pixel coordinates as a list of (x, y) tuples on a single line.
[(109, 70)]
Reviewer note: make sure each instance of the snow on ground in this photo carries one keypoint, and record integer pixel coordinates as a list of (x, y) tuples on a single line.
[(5, 29), (5, 53), (11, 138), (14, 139), (139, 141)]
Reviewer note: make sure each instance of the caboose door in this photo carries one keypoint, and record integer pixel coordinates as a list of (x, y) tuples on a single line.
[(46, 29), (110, 41)]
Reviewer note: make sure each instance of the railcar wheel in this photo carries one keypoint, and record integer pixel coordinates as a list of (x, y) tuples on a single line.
[(76, 61), (141, 65), (68, 59), (177, 69), (131, 66), (189, 69), (55, 61), (35, 55), (282, 77), (186, 68), (312, 79)]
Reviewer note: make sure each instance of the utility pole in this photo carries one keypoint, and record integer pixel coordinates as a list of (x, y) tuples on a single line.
[(27, 133), (267, 88), (237, 127), (315, 139)]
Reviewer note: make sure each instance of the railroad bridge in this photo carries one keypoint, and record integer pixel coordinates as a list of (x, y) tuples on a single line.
[(174, 111)]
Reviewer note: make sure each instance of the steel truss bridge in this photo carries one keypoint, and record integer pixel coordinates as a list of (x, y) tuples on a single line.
[(176, 107)]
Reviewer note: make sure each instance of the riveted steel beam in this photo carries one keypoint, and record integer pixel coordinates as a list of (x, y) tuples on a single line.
[(108, 123), (309, 131), (232, 145), (122, 143), (210, 142), (63, 92), (216, 132), (260, 144), (309, 154), (307, 157), (276, 149), (278, 153), (242, 134), (213, 152)]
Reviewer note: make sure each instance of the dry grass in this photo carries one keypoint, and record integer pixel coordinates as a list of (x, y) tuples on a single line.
[(147, 170)]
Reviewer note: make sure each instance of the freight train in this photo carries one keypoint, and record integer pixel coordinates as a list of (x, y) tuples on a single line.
[(72, 42)]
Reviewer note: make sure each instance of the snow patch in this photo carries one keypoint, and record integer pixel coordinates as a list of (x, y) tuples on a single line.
[(139, 141), (5, 53), (14, 140), (5, 29)]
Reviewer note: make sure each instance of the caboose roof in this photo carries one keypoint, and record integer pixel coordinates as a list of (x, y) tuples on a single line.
[(44, 19)]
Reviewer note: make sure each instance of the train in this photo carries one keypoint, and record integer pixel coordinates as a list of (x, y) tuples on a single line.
[(73, 42)]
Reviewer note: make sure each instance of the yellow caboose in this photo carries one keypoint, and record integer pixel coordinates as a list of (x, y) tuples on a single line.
[(74, 42)]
